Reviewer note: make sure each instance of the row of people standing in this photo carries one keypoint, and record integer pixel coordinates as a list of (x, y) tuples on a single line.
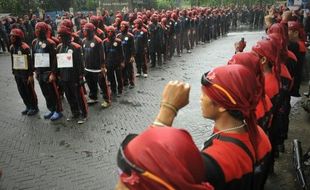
[(104, 58), (249, 101)]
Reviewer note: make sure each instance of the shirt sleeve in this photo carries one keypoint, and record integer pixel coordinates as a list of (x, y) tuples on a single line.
[(214, 173)]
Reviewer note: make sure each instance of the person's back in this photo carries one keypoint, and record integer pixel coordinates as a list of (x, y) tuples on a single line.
[(231, 164)]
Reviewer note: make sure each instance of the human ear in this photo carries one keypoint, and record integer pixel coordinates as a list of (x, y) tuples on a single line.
[(263, 60), (221, 109)]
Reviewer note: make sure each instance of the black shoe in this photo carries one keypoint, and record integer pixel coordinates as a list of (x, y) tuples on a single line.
[(131, 86), (119, 94), (276, 154), (153, 66), (25, 111), (72, 117), (281, 148), (32, 112), (296, 94)]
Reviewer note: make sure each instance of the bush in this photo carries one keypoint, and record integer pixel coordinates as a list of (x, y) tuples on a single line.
[(164, 4)]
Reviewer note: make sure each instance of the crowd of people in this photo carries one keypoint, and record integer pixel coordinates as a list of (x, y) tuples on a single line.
[(100, 51), (249, 101), (251, 116)]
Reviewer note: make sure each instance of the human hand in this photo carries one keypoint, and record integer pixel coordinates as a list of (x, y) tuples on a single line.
[(51, 78), (103, 70), (286, 15), (30, 80), (237, 46), (122, 65), (176, 93)]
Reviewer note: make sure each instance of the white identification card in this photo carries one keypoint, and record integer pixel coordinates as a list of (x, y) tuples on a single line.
[(20, 62), (64, 60), (41, 60)]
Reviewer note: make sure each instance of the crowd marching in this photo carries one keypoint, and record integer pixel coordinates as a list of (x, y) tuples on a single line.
[(249, 99)]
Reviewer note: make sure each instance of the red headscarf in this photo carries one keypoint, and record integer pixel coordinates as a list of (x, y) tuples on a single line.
[(241, 84), (170, 154), (281, 29), (269, 49), (252, 62)]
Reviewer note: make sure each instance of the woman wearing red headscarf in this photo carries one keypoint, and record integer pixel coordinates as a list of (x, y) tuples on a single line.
[(230, 153)]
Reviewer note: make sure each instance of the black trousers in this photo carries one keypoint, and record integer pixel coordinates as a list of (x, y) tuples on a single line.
[(76, 99), (171, 45), (51, 94), (92, 83), (185, 37), (140, 59), (27, 92), (93, 80), (104, 86), (156, 51), (115, 74), (128, 73), (177, 42)]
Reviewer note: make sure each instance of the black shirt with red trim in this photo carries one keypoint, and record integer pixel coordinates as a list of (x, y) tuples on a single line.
[(228, 166)]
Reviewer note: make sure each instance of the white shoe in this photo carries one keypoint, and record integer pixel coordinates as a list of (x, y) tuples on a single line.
[(145, 75), (82, 120), (91, 101), (138, 75)]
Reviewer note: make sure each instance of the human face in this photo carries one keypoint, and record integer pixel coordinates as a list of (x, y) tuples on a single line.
[(13, 39), (209, 108), (293, 35), (123, 27)]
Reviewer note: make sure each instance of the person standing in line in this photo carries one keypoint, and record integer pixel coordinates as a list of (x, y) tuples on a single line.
[(22, 69), (129, 52), (70, 67), (113, 51), (94, 65), (44, 57)]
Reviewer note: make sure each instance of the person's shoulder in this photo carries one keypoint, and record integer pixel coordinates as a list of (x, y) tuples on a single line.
[(97, 39), (130, 35), (119, 35), (49, 40), (25, 46), (59, 46), (264, 145), (118, 40), (76, 45), (106, 40), (263, 138), (34, 42), (99, 31), (232, 159), (144, 30)]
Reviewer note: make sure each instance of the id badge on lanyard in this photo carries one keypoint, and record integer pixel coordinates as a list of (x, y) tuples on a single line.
[(20, 62), (41, 60)]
